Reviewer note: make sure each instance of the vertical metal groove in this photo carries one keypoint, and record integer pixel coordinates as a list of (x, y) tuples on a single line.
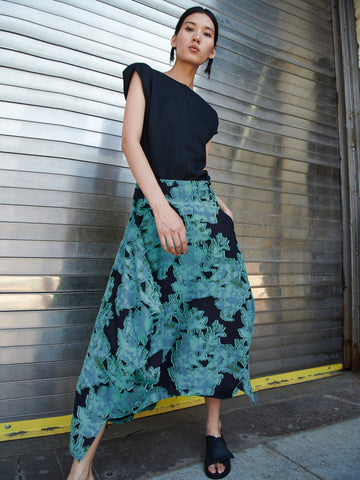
[(351, 157)]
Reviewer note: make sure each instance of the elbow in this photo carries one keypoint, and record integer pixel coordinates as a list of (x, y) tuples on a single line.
[(128, 144), (124, 144)]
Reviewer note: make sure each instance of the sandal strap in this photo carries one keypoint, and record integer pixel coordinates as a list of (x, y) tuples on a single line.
[(216, 450)]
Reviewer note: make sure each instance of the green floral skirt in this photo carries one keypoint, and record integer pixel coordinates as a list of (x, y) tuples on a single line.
[(167, 326)]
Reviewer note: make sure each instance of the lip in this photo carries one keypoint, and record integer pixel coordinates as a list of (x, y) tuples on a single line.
[(194, 48)]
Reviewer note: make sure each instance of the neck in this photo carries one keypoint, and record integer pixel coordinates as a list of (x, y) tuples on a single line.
[(183, 73)]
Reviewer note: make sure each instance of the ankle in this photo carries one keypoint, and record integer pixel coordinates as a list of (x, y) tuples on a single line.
[(213, 428), (78, 472), (80, 476)]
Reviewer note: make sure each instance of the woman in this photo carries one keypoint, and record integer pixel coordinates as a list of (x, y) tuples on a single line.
[(177, 315)]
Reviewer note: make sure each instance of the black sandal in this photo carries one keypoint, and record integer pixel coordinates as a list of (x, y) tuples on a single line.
[(217, 452)]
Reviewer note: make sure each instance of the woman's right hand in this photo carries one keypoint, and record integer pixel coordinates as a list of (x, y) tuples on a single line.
[(171, 230)]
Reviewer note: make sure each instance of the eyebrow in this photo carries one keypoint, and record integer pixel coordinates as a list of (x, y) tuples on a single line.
[(193, 23)]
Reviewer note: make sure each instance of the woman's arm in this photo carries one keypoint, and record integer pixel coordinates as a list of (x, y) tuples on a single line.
[(222, 205), (170, 227)]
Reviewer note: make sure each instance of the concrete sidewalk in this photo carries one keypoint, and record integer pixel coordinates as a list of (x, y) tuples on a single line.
[(327, 453), (306, 431)]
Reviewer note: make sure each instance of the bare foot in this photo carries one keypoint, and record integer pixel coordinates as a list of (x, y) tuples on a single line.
[(217, 468), (214, 430)]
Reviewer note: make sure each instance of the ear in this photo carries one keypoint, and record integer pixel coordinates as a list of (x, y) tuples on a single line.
[(173, 41), (213, 53)]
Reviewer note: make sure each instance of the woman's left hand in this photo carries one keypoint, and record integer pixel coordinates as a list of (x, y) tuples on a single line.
[(228, 212), (225, 208)]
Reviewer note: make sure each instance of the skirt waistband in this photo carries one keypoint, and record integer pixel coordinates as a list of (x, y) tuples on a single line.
[(181, 188), (189, 197)]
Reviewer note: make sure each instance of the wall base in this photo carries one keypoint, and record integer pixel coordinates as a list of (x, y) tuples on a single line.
[(55, 425)]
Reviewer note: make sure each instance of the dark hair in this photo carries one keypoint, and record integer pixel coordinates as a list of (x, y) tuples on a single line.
[(188, 12)]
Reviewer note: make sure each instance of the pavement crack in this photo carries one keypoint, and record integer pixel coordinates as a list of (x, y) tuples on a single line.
[(293, 461), (60, 466), (344, 400)]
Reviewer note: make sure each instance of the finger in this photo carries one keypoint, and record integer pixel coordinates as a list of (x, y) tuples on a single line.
[(176, 243), (183, 241), (170, 245), (164, 244)]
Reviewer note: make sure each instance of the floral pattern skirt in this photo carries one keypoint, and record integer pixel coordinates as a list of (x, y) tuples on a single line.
[(167, 326)]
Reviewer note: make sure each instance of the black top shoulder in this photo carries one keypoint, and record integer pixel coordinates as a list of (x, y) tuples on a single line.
[(145, 73), (178, 123)]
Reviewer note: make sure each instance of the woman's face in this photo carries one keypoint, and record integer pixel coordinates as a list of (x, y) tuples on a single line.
[(194, 42)]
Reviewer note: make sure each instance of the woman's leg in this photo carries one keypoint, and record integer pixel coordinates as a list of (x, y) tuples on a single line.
[(213, 426), (83, 470)]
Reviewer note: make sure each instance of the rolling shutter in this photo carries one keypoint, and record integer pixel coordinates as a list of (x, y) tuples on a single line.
[(66, 188)]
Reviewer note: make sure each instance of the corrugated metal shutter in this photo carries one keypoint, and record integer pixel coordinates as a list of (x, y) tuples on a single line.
[(357, 19), (66, 187)]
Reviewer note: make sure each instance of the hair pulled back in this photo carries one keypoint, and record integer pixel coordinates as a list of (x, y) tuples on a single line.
[(188, 12)]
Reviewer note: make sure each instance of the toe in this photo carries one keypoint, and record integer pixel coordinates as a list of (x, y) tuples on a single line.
[(217, 468), (212, 469)]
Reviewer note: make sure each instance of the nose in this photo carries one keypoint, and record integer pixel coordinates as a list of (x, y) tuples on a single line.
[(196, 36)]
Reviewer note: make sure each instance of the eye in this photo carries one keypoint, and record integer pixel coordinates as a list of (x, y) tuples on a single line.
[(207, 34), (189, 29)]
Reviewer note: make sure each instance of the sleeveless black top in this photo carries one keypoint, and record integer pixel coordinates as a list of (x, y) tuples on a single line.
[(178, 123)]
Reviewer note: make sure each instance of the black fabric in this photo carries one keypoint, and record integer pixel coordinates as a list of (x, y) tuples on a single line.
[(178, 124), (217, 452)]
